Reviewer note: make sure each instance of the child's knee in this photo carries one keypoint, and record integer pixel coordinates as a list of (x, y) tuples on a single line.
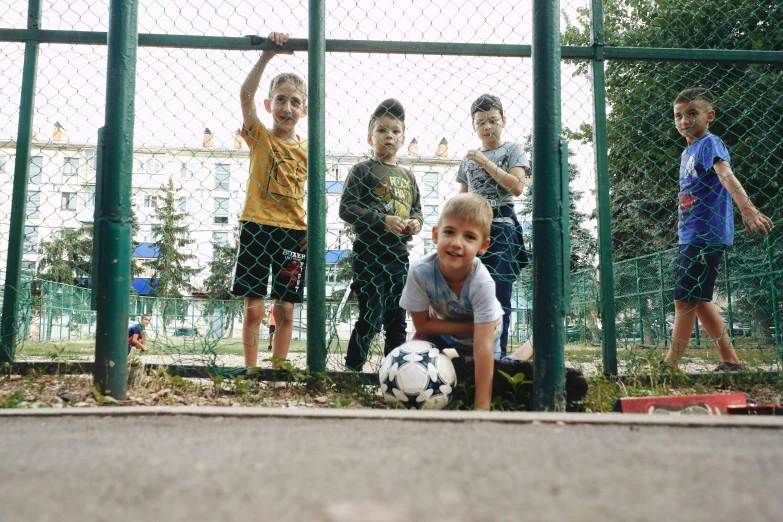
[(283, 312)]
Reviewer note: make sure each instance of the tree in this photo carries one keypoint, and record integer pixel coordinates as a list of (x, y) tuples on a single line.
[(218, 284), (644, 147), (66, 257), (170, 273), (583, 244)]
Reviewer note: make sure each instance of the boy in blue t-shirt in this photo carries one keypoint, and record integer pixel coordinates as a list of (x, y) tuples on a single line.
[(450, 295), (135, 336), (706, 225)]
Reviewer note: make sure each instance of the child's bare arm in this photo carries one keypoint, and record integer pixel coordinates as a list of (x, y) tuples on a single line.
[(427, 325), (483, 355), (753, 220), (247, 93), (514, 181)]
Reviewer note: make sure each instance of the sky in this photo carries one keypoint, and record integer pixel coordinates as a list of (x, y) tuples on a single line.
[(182, 92)]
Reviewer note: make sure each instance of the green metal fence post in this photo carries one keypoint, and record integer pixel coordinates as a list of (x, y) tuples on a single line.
[(114, 225), (600, 148), (775, 311), (316, 192), (549, 231), (24, 142), (662, 308), (729, 311), (639, 302)]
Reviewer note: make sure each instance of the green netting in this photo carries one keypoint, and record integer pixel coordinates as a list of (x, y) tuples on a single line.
[(192, 165)]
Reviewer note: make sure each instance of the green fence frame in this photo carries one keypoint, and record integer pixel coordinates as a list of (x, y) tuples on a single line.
[(546, 52)]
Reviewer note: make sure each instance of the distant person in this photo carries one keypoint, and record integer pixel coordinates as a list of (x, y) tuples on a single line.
[(497, 171), (381, 202), (706, 226), (451, 298), (270, 323), (136, 336), (273, 232)]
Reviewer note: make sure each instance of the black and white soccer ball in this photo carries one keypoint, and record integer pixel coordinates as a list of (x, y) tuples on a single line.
[(417, 375)]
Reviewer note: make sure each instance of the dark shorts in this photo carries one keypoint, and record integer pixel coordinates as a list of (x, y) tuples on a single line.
[(265, 250), (510, 395), (697, 270), (272, 330)]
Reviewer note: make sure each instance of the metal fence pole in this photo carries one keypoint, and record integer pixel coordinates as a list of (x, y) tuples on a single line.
[(316, 194), (24, 142), (549, 231), (662, 307), (600, 149), (114, 225), (774, 296)]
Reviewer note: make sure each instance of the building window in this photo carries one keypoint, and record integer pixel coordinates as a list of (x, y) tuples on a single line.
[(33, 204), (333, 174), (30, 239), (218, 238), (183, 205), (430, 189), (70, 168), (150, 164), (150, 201), (3, 160), (68, 201), (221, 211), (36, 165), (222, 173), (221, 238), (430, 214), (429, 246), (28, 268), (88, 196), (187, 170), (89, 159)]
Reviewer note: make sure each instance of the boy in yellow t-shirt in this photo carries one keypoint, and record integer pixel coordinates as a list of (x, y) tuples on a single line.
[(273, 236)]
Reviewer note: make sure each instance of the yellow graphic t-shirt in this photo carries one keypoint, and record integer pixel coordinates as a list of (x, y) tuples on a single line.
[(278, 173)]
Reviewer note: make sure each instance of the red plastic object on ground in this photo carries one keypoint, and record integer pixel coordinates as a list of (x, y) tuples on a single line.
[(713, 404), (756, 409)]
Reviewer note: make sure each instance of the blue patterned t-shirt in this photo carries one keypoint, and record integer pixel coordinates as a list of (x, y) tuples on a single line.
[(705, 212), (425, 289)]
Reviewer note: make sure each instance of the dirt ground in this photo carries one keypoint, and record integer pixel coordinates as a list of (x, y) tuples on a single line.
[(160, 389)]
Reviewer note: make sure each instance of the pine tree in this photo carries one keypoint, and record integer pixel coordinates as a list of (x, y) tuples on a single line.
[(170, 273), (67, 257)]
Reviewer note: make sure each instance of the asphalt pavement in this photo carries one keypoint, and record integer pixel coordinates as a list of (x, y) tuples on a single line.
[(172, 464)]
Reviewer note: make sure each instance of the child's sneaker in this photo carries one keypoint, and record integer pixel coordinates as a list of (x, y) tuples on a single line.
[(728, 367)]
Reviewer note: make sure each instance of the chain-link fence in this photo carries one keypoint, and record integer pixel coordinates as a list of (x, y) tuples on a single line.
[(196, 175)]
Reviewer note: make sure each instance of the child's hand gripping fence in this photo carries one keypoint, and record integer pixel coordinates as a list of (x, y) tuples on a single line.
[(192, 167)]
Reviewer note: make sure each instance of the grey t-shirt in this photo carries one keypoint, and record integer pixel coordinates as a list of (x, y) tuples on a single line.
[(478, 180), (425, 289)]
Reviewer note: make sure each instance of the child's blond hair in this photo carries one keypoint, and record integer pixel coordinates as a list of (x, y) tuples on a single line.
[(469, 208), (293, 78)]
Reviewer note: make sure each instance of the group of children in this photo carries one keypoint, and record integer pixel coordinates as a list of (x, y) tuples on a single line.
[(459, 297)]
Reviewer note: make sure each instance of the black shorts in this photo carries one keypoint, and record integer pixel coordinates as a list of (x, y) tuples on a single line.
[(697, 270), (511, 396), (265, 250), (271, 329)]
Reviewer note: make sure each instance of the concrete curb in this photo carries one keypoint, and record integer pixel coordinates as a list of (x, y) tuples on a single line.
[(595, 419)]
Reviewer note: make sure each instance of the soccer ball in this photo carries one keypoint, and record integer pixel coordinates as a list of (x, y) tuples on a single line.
[(417, 375)]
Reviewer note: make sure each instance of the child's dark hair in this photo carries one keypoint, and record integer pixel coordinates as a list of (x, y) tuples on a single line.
[(390, 107), (694, 93), (485, 103)]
